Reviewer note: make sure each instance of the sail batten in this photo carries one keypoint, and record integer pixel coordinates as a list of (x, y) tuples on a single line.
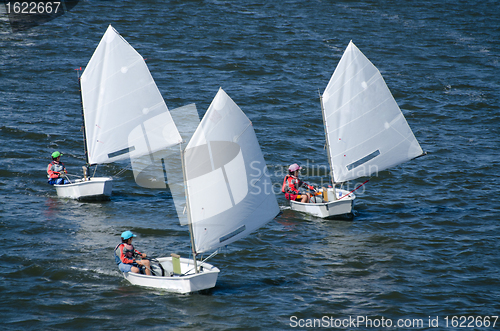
[(363, 160), (229, 187), (119, 98), (366, 130), (121, 152)]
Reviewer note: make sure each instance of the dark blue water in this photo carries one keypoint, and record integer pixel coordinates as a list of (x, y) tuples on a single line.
[(424, 240)]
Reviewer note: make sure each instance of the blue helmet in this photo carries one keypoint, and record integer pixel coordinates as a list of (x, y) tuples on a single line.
[(127, 235)]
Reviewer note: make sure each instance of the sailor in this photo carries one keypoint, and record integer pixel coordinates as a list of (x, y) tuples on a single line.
[(125, 254), (56, 170), (293, 187)]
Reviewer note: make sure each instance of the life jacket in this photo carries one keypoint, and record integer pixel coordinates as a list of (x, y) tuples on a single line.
[(54, 167), (288, 188), (128, 250), (289, 184)]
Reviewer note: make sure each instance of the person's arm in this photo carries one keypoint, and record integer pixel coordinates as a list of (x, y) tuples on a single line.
[(143, 255), (309, 186)]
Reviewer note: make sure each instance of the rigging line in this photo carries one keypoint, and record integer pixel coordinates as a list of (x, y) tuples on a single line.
[(73, 175), (65, 176), (203, 262), (211, 255), (366, 181), (119, 173)]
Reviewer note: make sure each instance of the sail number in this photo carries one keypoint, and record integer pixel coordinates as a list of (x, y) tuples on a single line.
[(32, 7)]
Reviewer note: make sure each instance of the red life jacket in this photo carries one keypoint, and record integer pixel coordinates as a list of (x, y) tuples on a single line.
[(288, 188), (291, 185)]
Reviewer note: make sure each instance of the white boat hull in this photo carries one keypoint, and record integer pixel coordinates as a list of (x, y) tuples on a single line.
[(95, 188), (327, 209), (188, 282)]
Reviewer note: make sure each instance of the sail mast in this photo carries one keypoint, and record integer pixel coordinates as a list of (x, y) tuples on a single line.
[(193, 248), (327, 143), (85, 149)]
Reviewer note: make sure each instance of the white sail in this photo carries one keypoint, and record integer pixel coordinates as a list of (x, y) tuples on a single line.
[(125, 114), (366, 130), (230, 193), (155, 170)]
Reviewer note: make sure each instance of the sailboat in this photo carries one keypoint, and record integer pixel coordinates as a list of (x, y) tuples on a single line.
[(124, 114), (365, 131), (229, 195)]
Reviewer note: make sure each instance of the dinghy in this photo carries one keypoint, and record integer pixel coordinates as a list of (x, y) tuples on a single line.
[(124, 114), (229, 195), (177, 275), (365, 131)]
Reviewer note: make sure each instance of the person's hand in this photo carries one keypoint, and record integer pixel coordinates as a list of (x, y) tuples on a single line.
[(143, 255)]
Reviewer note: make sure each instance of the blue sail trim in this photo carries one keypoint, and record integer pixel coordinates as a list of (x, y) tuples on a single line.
[(363, 160), (121, 152)]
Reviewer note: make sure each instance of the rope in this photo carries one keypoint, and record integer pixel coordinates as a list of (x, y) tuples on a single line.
[(73, 175), (119, 173), (366, 181), (202, 262), (65, 176)]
